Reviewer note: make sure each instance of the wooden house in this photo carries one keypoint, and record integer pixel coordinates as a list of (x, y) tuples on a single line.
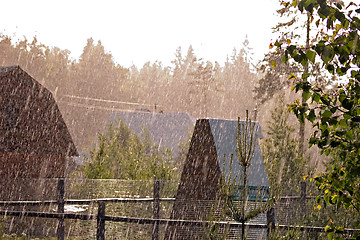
[(34, 140), (212, 144)]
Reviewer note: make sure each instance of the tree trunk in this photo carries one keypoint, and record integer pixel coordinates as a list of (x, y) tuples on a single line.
[(306, 70), (245, 193)]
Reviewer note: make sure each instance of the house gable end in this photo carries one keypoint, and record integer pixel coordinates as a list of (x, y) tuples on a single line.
[(30, 118), (201, 172)]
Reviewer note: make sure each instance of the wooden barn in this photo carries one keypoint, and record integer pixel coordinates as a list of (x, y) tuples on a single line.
[(212, 143), (34, 140)]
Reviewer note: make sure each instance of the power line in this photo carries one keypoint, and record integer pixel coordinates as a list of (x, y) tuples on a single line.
[(108, 101), (96, 107)]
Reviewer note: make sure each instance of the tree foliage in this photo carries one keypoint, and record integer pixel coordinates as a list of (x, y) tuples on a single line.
[(335, 115), (206, 89), (49, 66), (285, 165), (275, 72), (234, 195), (96, 74), (192, 84), (121, 154), (237, 80), (296, 28)]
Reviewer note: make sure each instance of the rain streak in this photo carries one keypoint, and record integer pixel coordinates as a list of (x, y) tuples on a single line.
[(196, 149)]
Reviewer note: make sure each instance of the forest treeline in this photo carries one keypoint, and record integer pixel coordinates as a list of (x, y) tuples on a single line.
[(317, 49), (191, 84)]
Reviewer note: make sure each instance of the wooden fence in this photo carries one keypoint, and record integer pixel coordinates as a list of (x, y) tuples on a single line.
[(101, 216)]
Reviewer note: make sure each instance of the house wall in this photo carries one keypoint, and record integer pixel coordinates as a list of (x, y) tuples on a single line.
[(34, 139), (24, 176), (201, 172), (31, 165), (30, 119), (198, 186)]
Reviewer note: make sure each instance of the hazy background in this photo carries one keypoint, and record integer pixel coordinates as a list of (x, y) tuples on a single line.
[(138, 31)]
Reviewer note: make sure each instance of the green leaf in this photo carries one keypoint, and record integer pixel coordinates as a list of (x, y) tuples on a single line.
[(325, 11), (330, 68), (316, 97), (346, 116), (349, 134), (311, 55), (278, 44), (342, 95), (329, 23), (326, 114), (306, 95), (301, 5), (341, 71), (310, 7), (327, 152), (325, 99), (273, 64), (354, 73), (340, 16), (339, 229), (319, 48), (292, 76), (327, 54), (343, 123), (311, 117), (285, 58), (305, 75), (347, 104), (291, 49)]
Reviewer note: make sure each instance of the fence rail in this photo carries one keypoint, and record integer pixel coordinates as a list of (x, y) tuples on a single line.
[(101, 217), (159, 221), (83, 201)]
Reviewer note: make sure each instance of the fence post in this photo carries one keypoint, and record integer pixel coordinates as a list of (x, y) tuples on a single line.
[(100, 232), (303, 199), (270, 220), (156, 209), (60, 209)]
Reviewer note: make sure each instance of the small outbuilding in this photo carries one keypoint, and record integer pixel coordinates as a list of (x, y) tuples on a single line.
[(34, 140), (212, 143)]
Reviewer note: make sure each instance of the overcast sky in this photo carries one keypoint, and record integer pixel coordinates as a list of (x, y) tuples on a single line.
[(137, 31)]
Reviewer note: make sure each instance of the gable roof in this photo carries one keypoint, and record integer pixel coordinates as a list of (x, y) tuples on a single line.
[(30, 119), (200, 179), (203, 167), (224, 133), (166, 129)]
